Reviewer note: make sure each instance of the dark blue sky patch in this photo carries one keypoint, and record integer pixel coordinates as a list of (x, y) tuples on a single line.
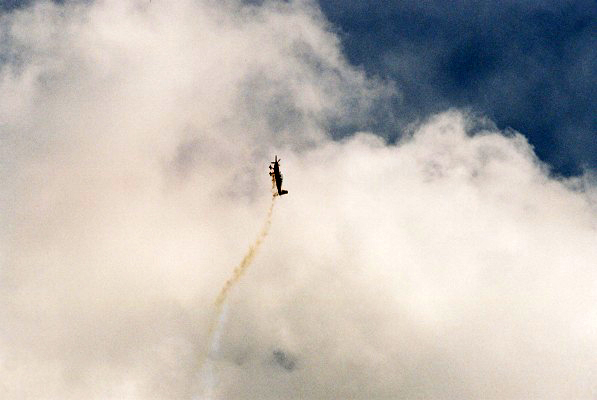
[(10, 4), (527, 66), (7, 5)]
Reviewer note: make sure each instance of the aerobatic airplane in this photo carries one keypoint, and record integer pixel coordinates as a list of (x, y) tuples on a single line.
[(275, 172)]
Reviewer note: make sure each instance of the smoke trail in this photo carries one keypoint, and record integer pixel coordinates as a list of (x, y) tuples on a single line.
[(206, 369), (246, 261), (218, 319)]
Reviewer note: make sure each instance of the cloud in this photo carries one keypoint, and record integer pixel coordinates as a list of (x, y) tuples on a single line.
[(135, 140)]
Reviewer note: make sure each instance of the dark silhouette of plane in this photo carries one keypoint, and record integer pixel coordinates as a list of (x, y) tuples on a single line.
[(275, 172)]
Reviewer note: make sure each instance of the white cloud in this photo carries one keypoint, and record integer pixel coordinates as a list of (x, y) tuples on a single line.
[(134, 143)]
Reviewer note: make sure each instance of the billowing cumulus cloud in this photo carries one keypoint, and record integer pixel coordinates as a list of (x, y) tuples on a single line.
[(135, 139)]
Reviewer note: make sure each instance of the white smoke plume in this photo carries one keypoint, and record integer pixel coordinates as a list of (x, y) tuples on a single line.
[(218, 319), (206, 380), (135, 139), (241, 268)]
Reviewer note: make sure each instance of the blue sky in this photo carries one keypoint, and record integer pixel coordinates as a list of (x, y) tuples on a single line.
[(526, 65)]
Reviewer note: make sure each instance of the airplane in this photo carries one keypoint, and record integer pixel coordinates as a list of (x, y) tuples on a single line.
[(275, 172)]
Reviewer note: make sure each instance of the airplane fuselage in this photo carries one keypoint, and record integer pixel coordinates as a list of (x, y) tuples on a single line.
[(277, 177)]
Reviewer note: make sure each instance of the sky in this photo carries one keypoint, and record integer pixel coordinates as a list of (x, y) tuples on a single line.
[(437, 241), (527, 65)]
